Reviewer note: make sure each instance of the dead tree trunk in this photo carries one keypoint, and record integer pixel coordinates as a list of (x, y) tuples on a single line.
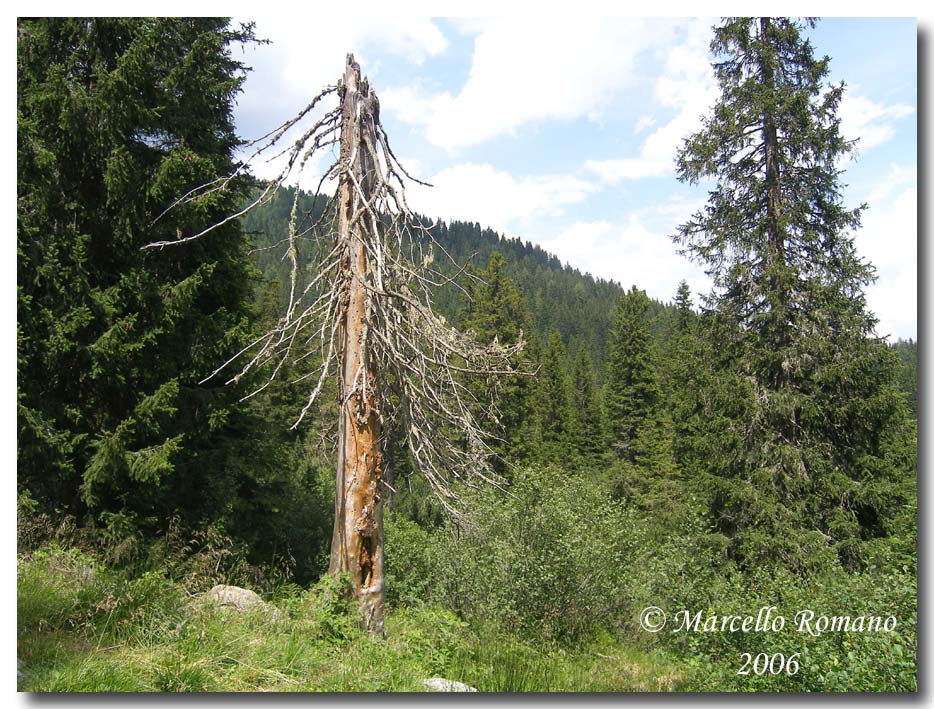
[(357, 542), (368, 308)]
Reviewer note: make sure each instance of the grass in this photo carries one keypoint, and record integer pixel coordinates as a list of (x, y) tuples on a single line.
[(85, 628)]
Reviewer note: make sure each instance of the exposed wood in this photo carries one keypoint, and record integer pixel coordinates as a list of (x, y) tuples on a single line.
[(357, 541), (366, 310)]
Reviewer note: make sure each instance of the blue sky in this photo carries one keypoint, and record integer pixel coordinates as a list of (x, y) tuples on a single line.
[(563, 131)]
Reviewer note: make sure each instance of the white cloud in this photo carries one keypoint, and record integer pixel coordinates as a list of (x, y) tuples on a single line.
[(414, 38), (873, 123), (686, 85), (889, 240), (898, 177), (494, 198), (288, 73), (631, 253), (296, 66), (413, 166), (644, 122), (531, 69), (613, 171), (582, 244)]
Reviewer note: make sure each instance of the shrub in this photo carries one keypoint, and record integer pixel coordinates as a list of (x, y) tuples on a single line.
[(547, 559), (410, 575)]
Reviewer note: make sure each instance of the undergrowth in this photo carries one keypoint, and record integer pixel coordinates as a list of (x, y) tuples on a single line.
[(540, 592), (85, 627)]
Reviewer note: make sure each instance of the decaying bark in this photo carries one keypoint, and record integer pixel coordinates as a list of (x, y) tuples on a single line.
[(367, 313), (356, 544)]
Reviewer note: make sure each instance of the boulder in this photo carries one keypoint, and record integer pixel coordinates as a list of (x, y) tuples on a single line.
[(439, 684), (241, 599)]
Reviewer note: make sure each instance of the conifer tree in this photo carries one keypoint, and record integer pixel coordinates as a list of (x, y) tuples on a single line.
[(808, 460), (558, 418), (115, 118), (631, 392), (686, 374), (639, 423), (368, 313), (907, 352), (585, 399), (497, 311), (496, 308), (684, 315)]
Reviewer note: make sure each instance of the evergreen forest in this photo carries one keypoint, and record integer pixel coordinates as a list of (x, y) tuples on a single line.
[(717, 453)]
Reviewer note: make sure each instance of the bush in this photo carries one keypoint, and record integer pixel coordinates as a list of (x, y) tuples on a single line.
[(329, 607), (556, 559), (410, 576), (547, 560)]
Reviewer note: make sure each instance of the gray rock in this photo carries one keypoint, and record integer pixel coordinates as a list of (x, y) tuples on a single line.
[(241, 599), (439, 684)]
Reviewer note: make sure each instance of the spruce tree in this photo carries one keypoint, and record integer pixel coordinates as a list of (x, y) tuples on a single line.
[(559, 421), (686, 375), (684, 314), (808, 461), (907, 352), (497, 310), (585, 399), (115, 118), (639, 425), (631, 391)]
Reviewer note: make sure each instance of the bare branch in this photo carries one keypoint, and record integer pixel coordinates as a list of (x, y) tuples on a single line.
[(422, 363)]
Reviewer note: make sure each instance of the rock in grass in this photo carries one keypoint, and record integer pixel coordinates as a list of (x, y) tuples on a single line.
[(439, 684), (241, 599)]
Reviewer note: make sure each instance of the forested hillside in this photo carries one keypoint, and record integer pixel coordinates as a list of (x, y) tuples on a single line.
[(557, 296), (643, 457)]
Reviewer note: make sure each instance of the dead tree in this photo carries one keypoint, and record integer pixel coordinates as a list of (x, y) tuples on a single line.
[(367, 310)]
